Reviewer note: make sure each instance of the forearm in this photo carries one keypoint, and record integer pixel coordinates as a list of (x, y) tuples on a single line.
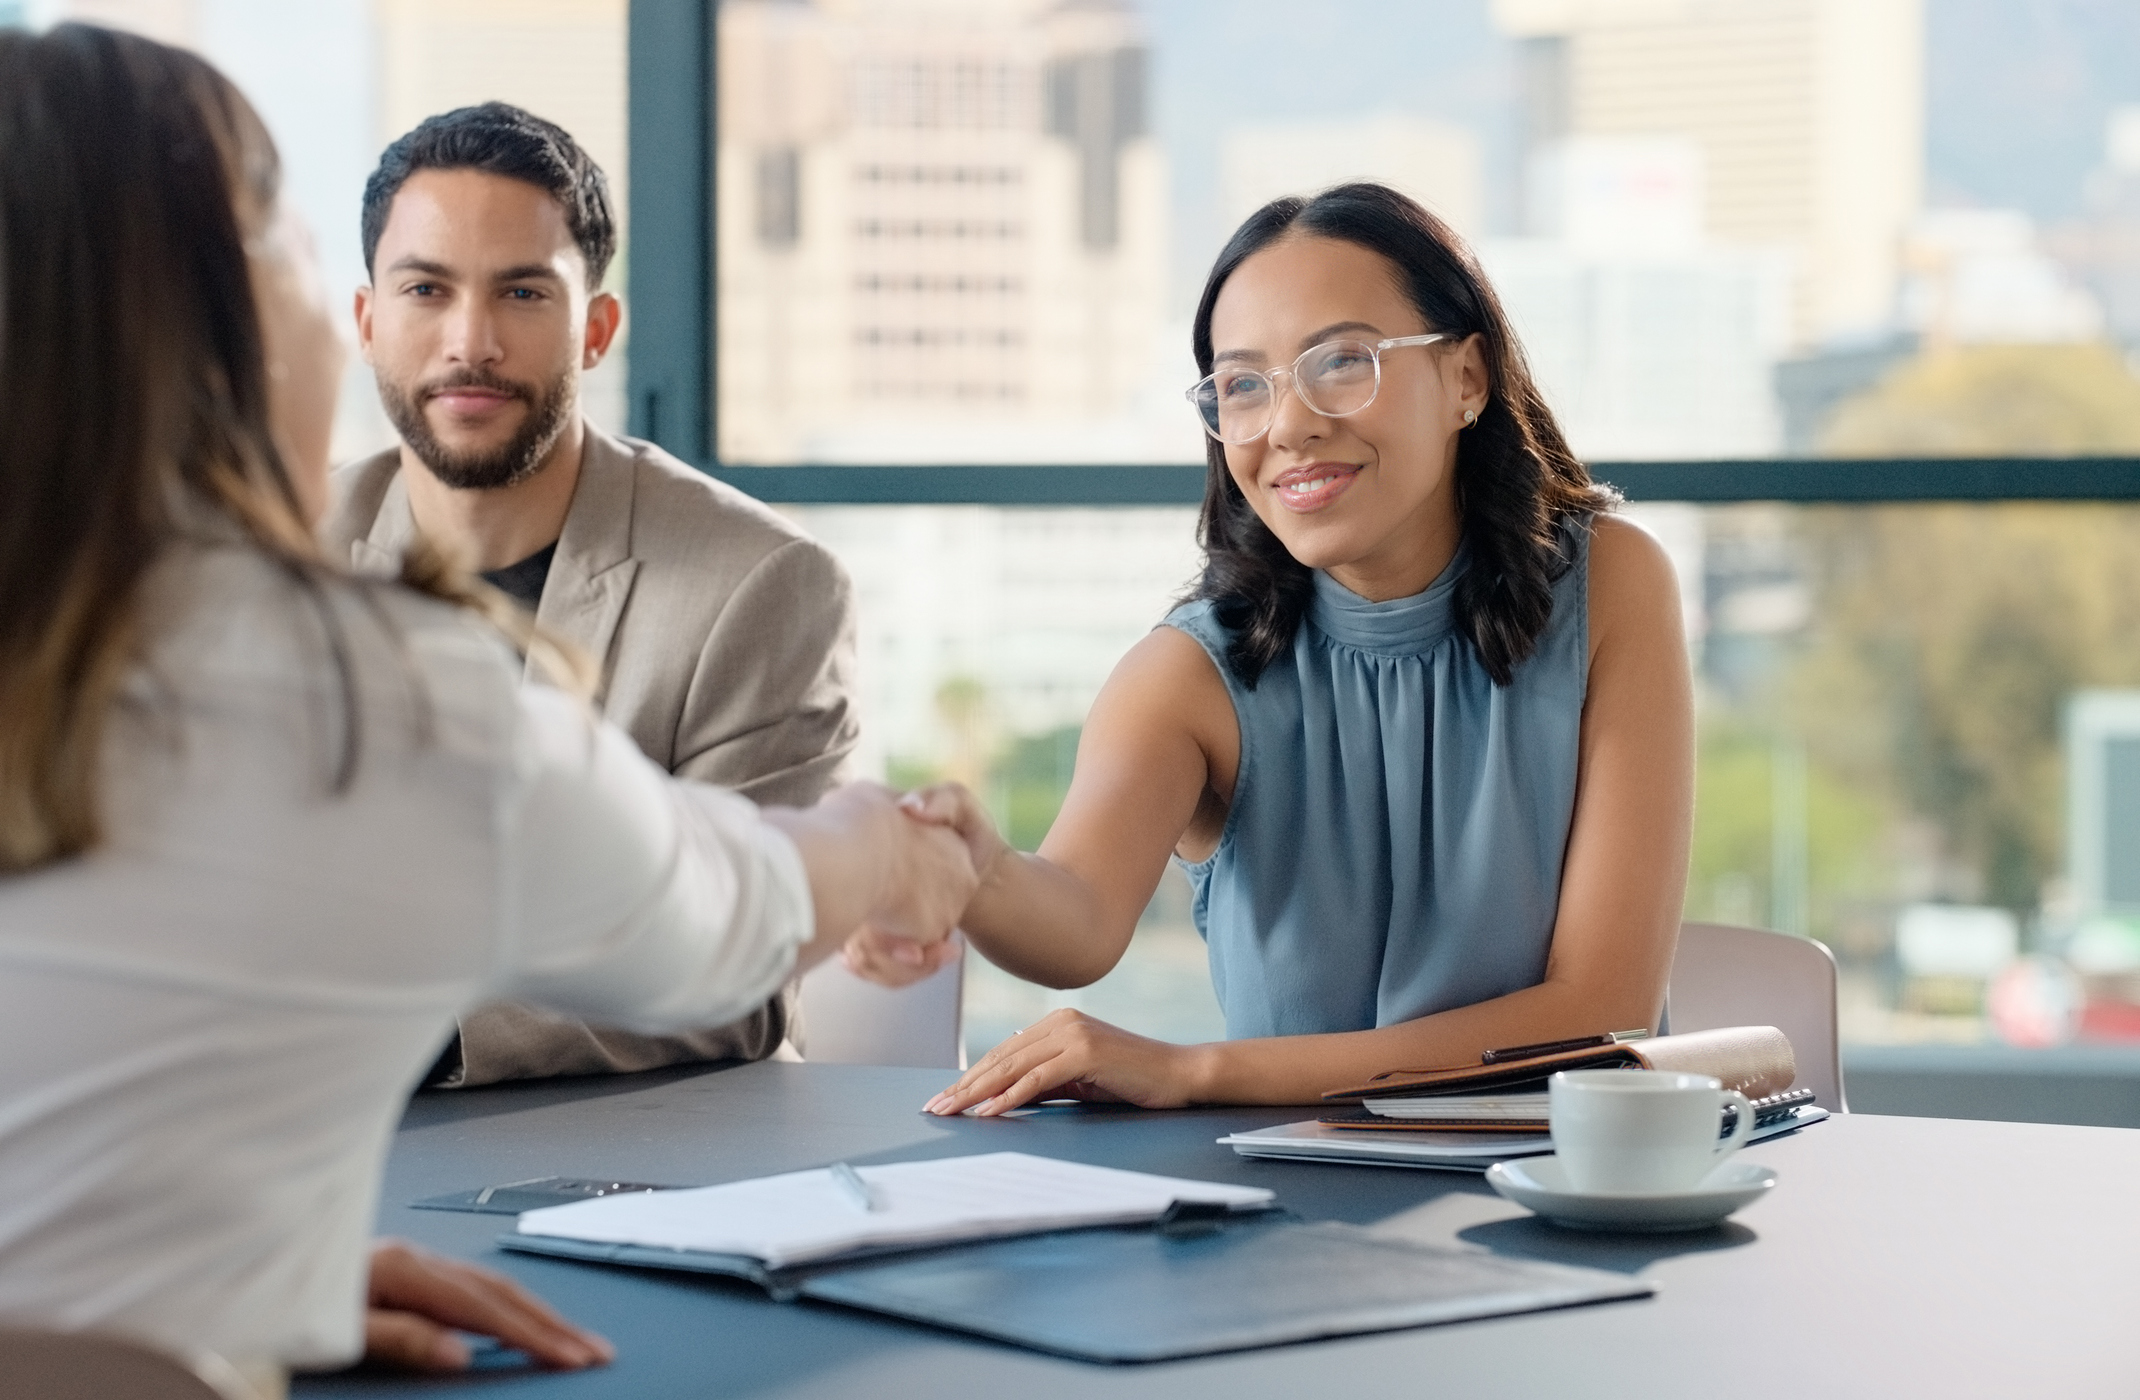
[(1300, 1069), (1039, 921)]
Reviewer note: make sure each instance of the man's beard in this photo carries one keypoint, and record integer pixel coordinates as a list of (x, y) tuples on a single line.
[(511, 461)]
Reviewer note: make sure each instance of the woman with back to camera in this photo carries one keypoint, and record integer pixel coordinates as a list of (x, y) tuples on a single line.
[(1422, 739), (264, 828)]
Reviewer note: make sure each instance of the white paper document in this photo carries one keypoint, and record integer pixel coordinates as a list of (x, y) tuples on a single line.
[(1498, 1106), (800, 1217)]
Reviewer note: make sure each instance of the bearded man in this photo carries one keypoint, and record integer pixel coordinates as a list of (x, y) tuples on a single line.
[(725, 635)]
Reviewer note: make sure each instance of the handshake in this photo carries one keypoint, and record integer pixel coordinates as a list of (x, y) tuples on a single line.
[(891, 875)]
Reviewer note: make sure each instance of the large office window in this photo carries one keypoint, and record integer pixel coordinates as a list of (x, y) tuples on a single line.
[(1845, 295), (1810, 251)]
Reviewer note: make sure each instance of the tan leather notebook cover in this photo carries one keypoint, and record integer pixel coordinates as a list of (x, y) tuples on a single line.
[(1755, 1060)]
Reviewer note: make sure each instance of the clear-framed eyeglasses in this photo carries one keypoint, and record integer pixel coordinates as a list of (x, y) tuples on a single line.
[(1337, 379)]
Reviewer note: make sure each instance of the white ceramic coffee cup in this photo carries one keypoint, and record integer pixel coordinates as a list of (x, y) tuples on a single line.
[(1621, 1132)]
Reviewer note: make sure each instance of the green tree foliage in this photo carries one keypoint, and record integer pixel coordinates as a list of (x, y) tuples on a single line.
[(1994, 401), (1729, 876), (1947, 638)]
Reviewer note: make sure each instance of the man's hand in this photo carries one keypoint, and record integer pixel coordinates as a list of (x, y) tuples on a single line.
[(418, 1301)]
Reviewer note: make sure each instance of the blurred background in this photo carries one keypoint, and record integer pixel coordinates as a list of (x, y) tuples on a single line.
[(1736, 232)]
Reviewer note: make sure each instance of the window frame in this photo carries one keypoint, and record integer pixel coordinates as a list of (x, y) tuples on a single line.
[(672, 360)]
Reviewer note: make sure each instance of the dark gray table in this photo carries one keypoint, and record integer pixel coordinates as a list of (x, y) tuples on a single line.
[(1896, 1256)]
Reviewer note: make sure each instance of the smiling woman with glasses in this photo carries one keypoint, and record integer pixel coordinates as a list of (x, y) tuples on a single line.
[(1423, 736)]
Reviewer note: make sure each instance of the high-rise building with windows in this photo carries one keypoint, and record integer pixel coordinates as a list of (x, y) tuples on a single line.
[(940, 230), (1808, 114)]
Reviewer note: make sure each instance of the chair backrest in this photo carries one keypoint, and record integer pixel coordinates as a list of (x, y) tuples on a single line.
[(1727, 976), (36, 1364), (847, 1021)]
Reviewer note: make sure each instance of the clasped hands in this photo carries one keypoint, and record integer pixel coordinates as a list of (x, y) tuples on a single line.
[(1064, 1055)]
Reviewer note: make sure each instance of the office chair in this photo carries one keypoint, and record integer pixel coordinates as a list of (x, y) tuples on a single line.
[(847, 1021), (1727, 976), (36, 1364)]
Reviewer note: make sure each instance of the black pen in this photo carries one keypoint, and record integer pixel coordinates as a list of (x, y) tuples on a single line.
[(1554, 1047)]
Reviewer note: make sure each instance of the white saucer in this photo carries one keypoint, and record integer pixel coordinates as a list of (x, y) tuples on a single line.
[(1541, 1184)]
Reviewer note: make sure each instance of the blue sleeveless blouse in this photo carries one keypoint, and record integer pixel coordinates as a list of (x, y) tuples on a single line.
[(1398, 824)]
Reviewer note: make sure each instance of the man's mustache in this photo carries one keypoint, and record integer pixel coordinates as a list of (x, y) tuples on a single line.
[(472, 379)]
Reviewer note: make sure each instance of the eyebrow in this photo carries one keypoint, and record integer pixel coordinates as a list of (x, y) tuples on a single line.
[(528, 272), (422, 265), (524, 272), (1226, 357)]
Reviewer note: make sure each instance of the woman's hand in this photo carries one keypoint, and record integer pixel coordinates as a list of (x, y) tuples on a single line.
[(952, 805), (417, 1301), (1069, 1055)]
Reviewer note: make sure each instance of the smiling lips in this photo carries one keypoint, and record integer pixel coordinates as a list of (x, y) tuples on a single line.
[(1311, 487)]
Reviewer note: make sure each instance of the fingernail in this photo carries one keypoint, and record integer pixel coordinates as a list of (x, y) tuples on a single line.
[(449, 1353), (930, 1106)]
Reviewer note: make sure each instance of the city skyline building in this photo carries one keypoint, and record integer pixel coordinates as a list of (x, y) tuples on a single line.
[(336, 80), (1437, 163), (2102, 247), (1649, 339), (1809, 115), (942, 233)]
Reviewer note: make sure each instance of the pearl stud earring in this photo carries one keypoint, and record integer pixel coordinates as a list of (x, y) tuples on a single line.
[(1471, 416)]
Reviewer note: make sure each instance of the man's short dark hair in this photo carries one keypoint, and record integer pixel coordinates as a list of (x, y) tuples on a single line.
[(500, 139)]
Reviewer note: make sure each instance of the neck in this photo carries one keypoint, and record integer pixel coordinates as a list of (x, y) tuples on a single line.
[(1413, 555), (504, 525)]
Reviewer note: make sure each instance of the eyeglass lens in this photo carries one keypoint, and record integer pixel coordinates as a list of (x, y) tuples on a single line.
[(1335, 379)]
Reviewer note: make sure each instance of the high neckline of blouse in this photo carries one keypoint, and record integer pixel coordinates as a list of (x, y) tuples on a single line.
[(1398, 627)]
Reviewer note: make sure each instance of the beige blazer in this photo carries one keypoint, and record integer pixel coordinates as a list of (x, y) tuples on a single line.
[(727, 643)]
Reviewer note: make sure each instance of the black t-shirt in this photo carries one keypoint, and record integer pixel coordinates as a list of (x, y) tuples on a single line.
[(523, 581)]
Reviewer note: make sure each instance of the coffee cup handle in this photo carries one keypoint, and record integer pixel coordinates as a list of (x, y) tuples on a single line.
[(1743, 1128)]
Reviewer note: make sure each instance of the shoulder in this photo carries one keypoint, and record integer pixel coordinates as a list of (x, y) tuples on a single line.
[(355, 492), (1633, 587), (1199, 621), (677, 508), (1198, 618), (1173, 673), (234, 623), (1169, 682)]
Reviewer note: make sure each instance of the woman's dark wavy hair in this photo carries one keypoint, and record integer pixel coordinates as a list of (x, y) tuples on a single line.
[(1516, 480)]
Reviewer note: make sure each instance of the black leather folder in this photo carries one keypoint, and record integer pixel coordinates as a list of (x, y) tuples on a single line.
[(1186, 1287)]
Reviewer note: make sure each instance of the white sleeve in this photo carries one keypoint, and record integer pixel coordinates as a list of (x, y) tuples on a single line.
[(627, 896)]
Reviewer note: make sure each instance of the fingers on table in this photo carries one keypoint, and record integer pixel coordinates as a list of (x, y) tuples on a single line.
[(461, 1295), (1009, 1075)]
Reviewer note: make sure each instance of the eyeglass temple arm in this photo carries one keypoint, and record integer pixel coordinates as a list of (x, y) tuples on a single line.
[(1404, 340)]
